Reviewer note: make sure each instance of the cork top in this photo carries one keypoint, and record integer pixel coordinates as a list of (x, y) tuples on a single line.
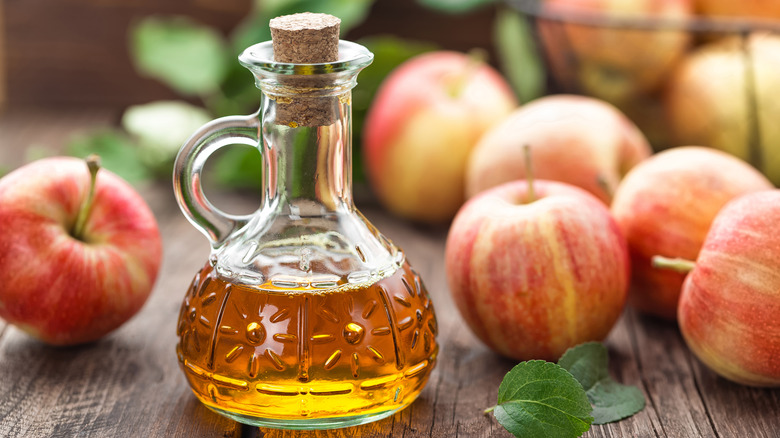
[(305, 38)]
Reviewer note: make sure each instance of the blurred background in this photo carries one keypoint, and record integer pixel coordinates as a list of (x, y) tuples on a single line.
[(78, 52), (135, 78), (104, 58)]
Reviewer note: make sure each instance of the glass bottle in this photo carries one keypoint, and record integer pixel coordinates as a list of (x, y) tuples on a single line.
[(304, 315)]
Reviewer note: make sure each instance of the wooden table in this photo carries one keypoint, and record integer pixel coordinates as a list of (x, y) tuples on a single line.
[(129, 383)]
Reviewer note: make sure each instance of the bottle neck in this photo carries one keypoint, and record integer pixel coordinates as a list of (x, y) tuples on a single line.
[(307, 149)]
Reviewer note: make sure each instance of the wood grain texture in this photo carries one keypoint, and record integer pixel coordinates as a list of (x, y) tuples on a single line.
[(130, 382)]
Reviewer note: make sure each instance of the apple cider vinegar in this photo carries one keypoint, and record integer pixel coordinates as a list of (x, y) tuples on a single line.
[(300, 353)]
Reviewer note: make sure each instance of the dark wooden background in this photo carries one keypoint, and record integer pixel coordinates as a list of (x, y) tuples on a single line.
[(66, 52)]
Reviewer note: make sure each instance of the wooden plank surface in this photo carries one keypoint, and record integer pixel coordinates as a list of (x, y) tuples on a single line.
[(130, 381)]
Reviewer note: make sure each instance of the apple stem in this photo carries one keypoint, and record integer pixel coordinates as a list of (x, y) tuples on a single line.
[(682, 266), (93, 164), (529, 173)]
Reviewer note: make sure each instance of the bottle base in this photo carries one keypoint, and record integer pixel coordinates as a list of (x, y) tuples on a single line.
[(307, 424)]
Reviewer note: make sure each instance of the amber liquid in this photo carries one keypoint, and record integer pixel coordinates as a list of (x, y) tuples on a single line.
[(298, 354)]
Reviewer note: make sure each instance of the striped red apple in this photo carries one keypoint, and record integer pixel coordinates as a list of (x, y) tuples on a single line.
[(79, 250), (730, 302), (421, 127), (534, 272), (665, 206), (574, 139)]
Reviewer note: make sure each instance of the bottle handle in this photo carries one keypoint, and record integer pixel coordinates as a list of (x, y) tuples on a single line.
[(215, 224)]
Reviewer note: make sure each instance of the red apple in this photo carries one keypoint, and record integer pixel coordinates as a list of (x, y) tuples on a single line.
[(753, 9), (730, 303), (426, 118), (665, 206), (612, 63), (716, 98), (65, 286), (533, 276), (574, 139)]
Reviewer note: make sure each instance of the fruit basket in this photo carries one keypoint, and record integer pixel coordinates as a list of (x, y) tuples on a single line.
[(684, 79)]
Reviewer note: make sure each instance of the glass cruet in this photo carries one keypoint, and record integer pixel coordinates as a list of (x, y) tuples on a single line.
[(304, 315)]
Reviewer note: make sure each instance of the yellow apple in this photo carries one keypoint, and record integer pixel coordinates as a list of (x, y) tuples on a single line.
[(725, 96)]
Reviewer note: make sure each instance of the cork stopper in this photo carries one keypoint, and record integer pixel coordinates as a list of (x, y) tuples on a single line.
[(306, 38)]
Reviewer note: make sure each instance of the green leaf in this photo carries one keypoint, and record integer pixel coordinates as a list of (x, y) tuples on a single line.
[(518, 54), (190, 58), (455, 6), (587, 363), (611, 401), (162, 127), (541, 399), (117, 153)]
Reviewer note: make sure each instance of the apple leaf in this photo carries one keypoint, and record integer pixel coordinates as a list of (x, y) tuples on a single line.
[(587, 363), (188, 57), (611, 401), (538, 398), (518, 55), (455, 6)]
